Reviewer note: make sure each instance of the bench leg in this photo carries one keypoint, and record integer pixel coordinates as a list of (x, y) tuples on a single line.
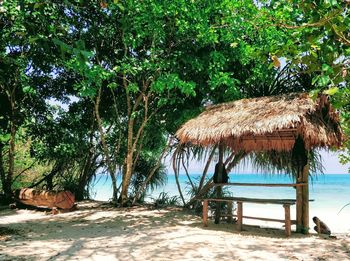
[(239, 215), (287, 220), (205, 213), (217, 212), (229, 211)]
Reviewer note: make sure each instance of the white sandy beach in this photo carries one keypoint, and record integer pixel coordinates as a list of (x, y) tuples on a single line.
[(95, 232)]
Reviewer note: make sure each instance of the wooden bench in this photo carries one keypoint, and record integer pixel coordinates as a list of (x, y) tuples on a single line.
[(286, 203)]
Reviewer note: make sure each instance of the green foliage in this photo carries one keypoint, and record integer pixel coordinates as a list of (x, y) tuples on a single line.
[(211, 193), (142, 170), (164, 200), (156, 64), (27, 61), (319, 40), (169, 82), (341, 100), (281, 162)]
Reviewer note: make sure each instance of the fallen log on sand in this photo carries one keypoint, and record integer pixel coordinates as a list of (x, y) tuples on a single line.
[(44, 198)]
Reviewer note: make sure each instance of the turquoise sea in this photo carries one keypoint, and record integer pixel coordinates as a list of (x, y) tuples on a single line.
[(331, 191)]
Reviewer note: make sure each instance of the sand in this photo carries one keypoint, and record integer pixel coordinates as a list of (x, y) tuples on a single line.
[(96, 232)]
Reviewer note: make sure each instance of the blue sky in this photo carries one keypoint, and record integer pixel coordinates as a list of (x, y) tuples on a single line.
[(330, 162), (332, 165)]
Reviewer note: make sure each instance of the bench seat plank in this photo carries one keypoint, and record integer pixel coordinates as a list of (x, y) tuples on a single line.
[(267, 219), (255, 200), (240, 200), (259, 184)]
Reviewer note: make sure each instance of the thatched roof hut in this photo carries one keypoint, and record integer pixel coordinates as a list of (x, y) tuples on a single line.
[(292, 122), (266, 123)]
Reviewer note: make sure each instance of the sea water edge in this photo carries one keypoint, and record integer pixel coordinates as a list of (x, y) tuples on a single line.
[(326, 190), (330, 195)]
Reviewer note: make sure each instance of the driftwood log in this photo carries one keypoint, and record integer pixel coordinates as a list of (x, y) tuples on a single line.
[(44, 198)]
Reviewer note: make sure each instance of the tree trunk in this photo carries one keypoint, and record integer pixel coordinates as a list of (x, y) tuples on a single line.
[(188, 175), (144, 184), (133, 140), (49, 182), (48, 178), (205, 171), (90, 160), (110, 165), (209, 184), (202, 192), (237, 158), (176, 173), (7, 186), (2, 170), (84, 177), (129, 165)]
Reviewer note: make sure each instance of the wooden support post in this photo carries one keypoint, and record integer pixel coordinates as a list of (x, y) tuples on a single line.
[(305, 192), (301, 164), (229, 211), (287, 223), (218, 206), (205, 212), (239, 215), (299, 206), (219, 189)]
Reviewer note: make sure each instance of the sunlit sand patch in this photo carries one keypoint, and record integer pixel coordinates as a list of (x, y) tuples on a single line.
[(95, 233)]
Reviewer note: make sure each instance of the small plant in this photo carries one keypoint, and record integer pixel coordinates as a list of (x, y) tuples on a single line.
[(343, 207), (165, 200), (211, 193)]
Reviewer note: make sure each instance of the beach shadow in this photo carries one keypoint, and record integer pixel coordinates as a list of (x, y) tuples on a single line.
[(7, 212), (95, 232), (7, 257), (85, 225), (249, 230)]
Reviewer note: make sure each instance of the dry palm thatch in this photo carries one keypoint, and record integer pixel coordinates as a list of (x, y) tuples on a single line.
[(266, 123)]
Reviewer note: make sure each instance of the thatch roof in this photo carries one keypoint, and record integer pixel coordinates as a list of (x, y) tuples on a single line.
[(266, 123)]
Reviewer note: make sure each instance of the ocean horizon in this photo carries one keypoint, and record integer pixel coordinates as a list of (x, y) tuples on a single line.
[(330, 191)]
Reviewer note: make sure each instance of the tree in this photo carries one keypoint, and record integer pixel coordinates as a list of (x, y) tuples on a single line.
[(67, 140), (24, 52), (30, 75), (320, 42), (141, 68), (160, 61)]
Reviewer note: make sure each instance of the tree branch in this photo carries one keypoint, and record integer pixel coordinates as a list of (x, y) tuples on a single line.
[(30, 166), (322, 22)]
